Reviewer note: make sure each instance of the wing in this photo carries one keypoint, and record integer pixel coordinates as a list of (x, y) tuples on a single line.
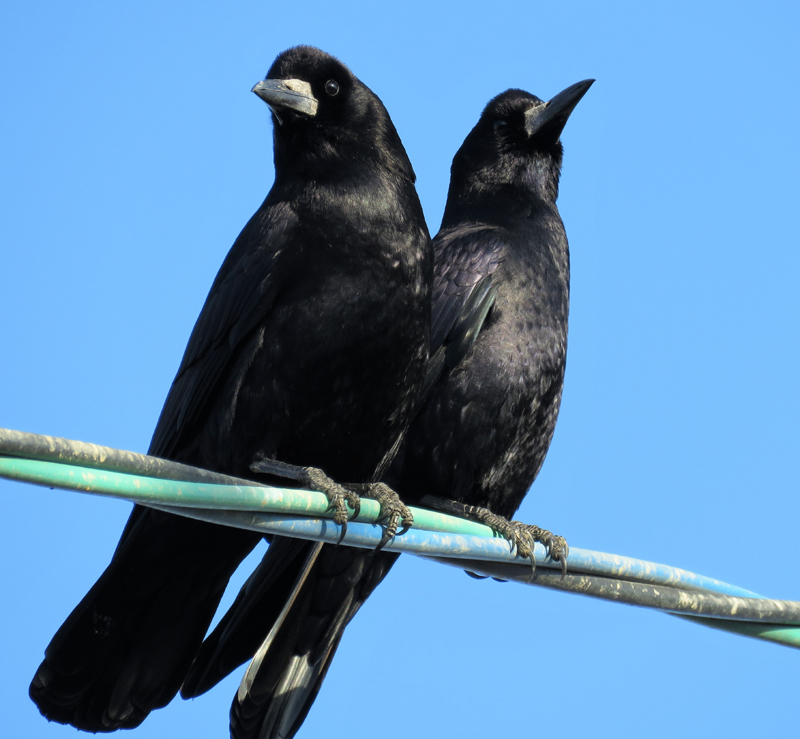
[(241, 296), (465, 260)]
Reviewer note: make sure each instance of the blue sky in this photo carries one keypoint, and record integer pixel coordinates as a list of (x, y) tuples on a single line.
[(133, 153)]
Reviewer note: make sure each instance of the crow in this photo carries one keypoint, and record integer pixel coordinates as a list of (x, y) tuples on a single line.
[(486, 415), (499, 322), (310, 350)]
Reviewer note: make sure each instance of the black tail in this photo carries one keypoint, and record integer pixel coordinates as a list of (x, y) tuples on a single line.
[(127, 646), (295, 605)]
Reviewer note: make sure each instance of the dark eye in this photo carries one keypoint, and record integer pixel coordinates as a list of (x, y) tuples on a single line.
[(332, 87), (500, 125)]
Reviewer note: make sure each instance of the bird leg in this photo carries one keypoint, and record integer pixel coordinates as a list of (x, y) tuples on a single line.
[(393, 511), (315, 479), (521, 536)]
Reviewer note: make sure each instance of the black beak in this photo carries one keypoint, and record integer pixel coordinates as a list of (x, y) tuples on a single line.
[(287, 95), (546, 122)]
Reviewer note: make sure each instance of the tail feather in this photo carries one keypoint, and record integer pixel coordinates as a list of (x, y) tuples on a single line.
[(328, 586), (280, 712), (126, 647), (259, 604)]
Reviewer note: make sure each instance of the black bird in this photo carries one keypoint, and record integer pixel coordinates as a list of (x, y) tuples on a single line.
[(310, 349), (490, 402), (499, 321)]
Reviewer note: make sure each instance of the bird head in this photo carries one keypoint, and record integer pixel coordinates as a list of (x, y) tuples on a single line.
[(325, 117), (517, 142)]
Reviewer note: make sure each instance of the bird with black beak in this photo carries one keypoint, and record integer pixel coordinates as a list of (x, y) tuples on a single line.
[(499, 323)]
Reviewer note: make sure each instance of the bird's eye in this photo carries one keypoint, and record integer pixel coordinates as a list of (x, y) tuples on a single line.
[(332, 87), (500, 125)]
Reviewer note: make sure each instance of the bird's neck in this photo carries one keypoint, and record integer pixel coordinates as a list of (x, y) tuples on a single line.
[(495, 204)]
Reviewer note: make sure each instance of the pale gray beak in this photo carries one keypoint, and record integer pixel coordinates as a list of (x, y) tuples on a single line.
[(283, 95)]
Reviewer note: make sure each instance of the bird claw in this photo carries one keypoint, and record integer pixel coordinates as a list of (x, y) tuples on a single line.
[(557, 547), (315, 479), (394, 521), (342, 533), (339, 500), (520, 536), (394, 513)]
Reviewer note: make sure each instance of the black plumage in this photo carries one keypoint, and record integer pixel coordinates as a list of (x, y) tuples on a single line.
[(310, 349), (490, 402), (502, 264)]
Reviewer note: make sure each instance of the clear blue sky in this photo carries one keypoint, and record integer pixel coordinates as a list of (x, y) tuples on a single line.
[(132, 154)]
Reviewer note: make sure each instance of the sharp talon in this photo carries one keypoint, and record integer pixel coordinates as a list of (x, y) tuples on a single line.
[(383, 542), (343, 534), (406, 527), (521, 537), (388, 532), (392, 511)]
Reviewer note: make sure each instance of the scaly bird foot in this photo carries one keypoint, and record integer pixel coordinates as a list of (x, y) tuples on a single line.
[(557, 547), (521, 536), (393, 511), (315, 479)]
